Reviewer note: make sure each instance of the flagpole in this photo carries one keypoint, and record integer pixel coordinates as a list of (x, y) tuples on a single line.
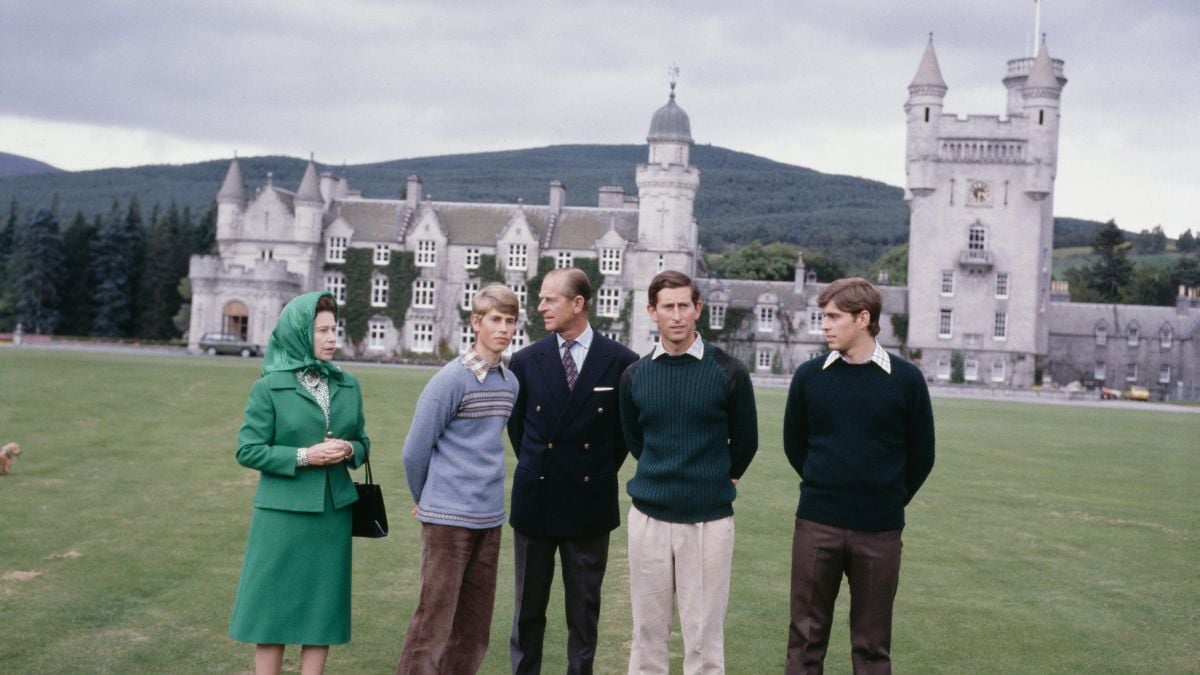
[(1037, 24)]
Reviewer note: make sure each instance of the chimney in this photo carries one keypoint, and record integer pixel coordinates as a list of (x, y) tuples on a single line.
[(412, 195), (611, 197), (327, 186), (558, 196)]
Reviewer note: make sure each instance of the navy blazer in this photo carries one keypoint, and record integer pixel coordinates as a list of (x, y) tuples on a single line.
[(568, 443)]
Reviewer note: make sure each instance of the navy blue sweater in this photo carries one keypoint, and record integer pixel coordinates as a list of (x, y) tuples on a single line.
[(861, 439)]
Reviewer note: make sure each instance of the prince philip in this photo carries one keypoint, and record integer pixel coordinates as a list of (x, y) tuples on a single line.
[(567, 436)]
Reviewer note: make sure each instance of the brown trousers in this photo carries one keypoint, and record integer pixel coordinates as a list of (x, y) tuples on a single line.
[(871, 563), (449, 631)]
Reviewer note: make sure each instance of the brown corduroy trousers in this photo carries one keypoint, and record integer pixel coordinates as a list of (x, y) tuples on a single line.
[(449, 631)]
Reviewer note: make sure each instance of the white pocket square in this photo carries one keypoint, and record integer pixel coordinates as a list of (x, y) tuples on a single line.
[(603, 389)]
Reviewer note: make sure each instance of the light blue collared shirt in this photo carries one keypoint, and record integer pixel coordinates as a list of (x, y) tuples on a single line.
[(579, 350), (879, 357)]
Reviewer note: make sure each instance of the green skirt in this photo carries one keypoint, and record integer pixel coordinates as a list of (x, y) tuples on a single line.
[(295, 584)]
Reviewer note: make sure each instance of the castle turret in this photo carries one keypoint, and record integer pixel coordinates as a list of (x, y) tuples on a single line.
[(667, 184), (667, 232), (1040, 105), (231, 201), (926, 95), (310, 206)]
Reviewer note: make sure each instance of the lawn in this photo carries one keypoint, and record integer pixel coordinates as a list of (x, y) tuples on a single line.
[(1048, 538)]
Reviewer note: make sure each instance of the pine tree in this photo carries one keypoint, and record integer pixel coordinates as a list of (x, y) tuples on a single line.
[(112, 297), (160, 279), (76, 289), (1113, 272), (135, 231), (35, 269), (1186, 242), (204, 235), (8, 300)]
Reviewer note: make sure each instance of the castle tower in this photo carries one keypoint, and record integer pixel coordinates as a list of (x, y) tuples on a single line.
[(310, 206), (231, 201), (980, 192), (667, 232)]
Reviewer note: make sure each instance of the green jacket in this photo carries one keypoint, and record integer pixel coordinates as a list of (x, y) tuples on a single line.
[(282, 416)]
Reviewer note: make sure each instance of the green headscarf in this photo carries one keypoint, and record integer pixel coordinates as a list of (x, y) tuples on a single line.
[(291, 344)]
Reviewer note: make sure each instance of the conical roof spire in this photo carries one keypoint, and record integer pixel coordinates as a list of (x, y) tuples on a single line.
[(310, 189), (234, 188), (928, 79), (1042, 81)]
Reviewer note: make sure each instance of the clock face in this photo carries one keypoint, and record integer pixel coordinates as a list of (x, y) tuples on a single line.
[(980, 192)]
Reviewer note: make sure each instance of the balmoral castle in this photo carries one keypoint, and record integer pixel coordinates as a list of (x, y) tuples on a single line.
[(979, 299)]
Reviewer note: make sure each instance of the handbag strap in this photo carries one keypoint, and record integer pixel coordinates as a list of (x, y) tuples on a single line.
[(367, 463)]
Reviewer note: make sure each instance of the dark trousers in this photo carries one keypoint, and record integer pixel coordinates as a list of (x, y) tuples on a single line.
[(871, 563), (449, 631), (583, 565)]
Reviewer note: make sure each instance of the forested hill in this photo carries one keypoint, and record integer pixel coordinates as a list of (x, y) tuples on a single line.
[(742, 197), (16, 165)]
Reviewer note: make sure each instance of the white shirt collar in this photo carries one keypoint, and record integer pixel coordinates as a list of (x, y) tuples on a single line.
[(696, 350), (879, 357)]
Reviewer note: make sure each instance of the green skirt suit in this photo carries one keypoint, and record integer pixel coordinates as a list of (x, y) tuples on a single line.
[(295, 580)]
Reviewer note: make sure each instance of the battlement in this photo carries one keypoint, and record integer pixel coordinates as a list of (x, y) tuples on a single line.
[(1020, 68)]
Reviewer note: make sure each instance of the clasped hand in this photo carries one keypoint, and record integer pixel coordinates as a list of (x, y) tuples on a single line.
[(330, 451)]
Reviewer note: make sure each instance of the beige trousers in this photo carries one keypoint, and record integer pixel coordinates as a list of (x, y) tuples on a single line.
[(693, 561)]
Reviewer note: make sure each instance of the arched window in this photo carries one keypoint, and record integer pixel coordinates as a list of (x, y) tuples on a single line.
[(236, 319)]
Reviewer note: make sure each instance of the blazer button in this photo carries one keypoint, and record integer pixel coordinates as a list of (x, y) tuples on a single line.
[(586, 478), (537, 408), (600, 411), (541, 478), (550, 445), (587, 446), (329, 432)]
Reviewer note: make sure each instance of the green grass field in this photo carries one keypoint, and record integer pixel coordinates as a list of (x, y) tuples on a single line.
[(1048, 538)]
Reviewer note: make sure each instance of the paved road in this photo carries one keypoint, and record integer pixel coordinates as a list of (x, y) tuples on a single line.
[(1083, 399)]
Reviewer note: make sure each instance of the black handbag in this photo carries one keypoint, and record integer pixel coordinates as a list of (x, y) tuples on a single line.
[(369, 514)]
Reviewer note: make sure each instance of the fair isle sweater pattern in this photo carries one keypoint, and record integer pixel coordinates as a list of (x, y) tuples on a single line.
[(478, 404)]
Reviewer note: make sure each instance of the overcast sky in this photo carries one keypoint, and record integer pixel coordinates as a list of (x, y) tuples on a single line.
[(101, 83)]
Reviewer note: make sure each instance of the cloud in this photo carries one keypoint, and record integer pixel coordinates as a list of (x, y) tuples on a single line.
[(817, 84)]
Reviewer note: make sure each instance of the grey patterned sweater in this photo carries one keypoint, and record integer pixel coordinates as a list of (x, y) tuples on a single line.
[(454, 453)]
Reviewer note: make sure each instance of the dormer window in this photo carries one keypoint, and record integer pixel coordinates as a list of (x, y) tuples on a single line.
[(426, 253), (610, 261), (518, 256), (716, 316), (335, 249)]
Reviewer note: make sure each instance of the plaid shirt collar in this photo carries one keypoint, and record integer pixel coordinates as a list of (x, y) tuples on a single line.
[(478, 367), (879, 357)]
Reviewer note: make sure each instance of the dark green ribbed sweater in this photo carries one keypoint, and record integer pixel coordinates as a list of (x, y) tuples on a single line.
[(692, 426)]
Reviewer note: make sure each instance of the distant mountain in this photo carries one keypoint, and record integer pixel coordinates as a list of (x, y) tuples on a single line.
[(16, 165), (742, 197)]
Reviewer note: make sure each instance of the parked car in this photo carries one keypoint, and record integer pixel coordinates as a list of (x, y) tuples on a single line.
[(1136, 393), (1106, 393), (224, 343)]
